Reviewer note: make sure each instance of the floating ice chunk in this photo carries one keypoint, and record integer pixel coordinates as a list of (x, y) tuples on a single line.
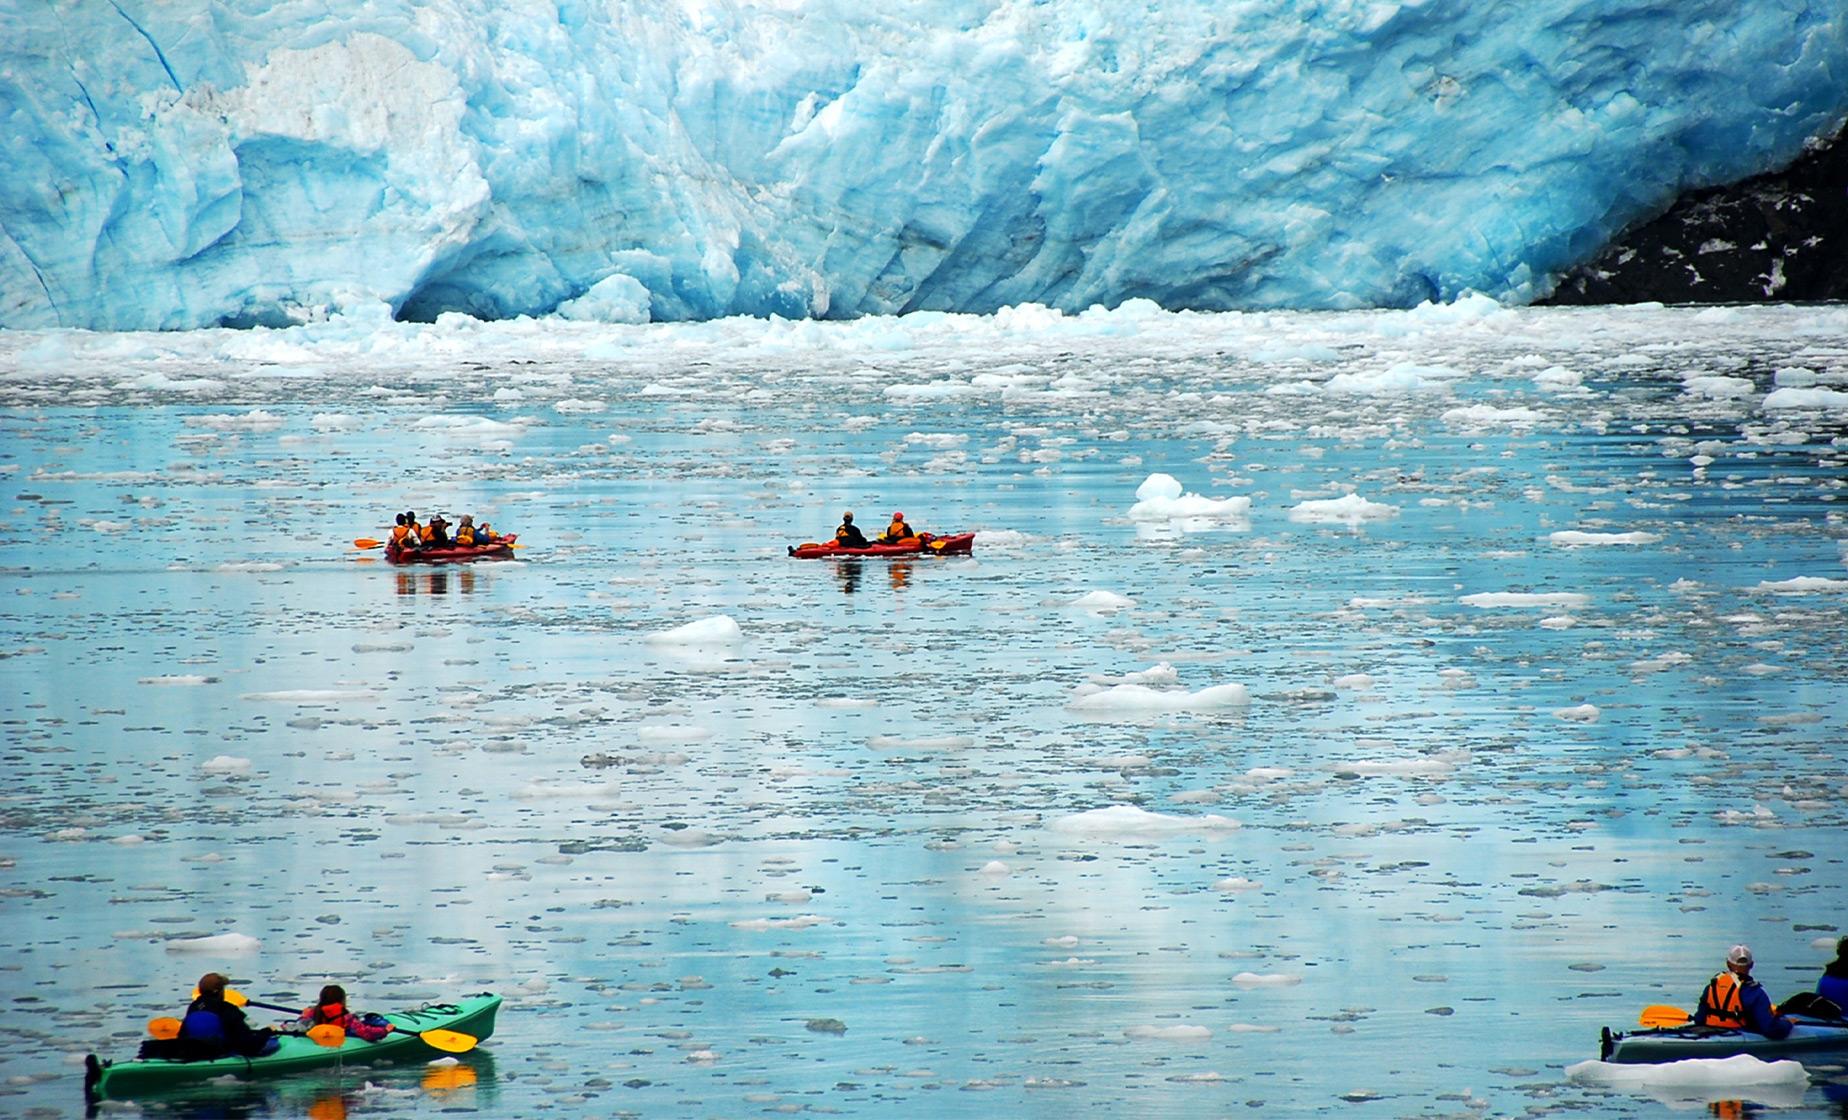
[(1159, 498), (847, 702), (941, 441), (672, 733), (1128, 820), (1715, 387), (1161, 673), (1101, 602), (617, 298), (256, 420), (226, 764), (1236, 884), (1179, 1032), (1354, 682), (1574, 538), (1267, 979), (216, 944), (1801, 585), (1691, 1073), (1251, 1028), (1583, 713), (1138, 699), (1758, 815), (996, 868), (1487, 416), (333, 422), (1431, 767), (1486, 600), (762, 925), (1349, 509), (1794, 398), (312, 696), (1559, 379), (182, 680), (1000, 538), (1403, 379), (578, 405), (719, 630)]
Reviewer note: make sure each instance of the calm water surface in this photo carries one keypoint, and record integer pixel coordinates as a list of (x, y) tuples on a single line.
[(1529, 736)]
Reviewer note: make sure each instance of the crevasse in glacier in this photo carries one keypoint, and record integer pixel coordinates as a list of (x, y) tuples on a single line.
[(183, 163)]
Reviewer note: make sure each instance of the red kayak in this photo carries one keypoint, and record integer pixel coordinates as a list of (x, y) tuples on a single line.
[(958, 544), (453, 554)]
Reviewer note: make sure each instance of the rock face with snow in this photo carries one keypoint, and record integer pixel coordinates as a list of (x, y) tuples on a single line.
[(184, 163)]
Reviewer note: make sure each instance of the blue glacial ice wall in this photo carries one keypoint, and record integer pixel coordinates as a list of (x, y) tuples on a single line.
[(183, 163)]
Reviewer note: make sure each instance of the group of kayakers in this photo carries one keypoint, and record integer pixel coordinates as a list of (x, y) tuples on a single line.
[(409, 533), (849, 535), (214, 1027), (1733, 999)]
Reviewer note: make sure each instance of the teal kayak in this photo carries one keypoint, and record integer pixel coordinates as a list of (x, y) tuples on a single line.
[(1672, 1044), (471, 1015)]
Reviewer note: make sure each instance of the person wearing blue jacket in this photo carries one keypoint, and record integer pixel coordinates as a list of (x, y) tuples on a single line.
[(1733, 999), (1834, 983)]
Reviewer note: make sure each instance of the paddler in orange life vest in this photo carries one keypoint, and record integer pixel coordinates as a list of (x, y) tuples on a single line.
[(331, 1009), (402, 535), (897, 531), (849, 535), (1733, 999)]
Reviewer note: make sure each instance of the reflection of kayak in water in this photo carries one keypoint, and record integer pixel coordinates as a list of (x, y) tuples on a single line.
[(453, 553), (1672, 1044), (471, 1015), (922, 544)]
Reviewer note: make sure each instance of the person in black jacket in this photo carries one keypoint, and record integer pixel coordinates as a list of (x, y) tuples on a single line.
[(214, 1027), (849, 535)]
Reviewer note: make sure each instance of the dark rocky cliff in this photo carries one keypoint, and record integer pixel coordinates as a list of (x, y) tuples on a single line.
[(1781, 236)]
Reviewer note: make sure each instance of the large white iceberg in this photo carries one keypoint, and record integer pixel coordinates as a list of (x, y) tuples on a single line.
[(183, 163)]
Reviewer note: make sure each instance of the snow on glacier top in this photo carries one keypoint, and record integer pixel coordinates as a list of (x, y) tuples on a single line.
[(189, 163)]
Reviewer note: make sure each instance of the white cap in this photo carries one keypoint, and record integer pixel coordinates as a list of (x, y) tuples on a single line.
[(1739, 954)]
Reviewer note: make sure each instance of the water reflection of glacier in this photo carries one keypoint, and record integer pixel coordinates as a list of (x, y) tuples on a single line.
[(1511, 761)]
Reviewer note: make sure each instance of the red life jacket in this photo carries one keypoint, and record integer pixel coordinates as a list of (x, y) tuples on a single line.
[(1720, 1004)]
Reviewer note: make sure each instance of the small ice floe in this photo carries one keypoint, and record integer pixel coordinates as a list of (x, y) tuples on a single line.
[(1573, 538), (1139, 699), (1432, 766), (847, 703), (1791, 397), (1161, 673), (1128, 820), (1474, 417), (1582, 713), (1354, 682), (216, 944), (764, 925), (1401, 380), (311, 696), (226, 764), (333, 422), (1237, 884), (1757, 815), (179, 680), (996, 868), (1179, 1032), (1000, 538), (1102, 602), (1160, 498), (672, 733), (719, 630), (1267, 979), (1489, 600), (1779, 1083), (1349, 509), (256, 420), (1801, 585)]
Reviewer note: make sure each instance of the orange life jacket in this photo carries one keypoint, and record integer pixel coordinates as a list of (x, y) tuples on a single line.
[(398, 533), (1720, 1004), (425, 533), (465, 535), (898, 531)]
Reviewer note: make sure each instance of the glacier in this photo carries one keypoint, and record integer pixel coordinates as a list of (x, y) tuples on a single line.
[(176, 164)]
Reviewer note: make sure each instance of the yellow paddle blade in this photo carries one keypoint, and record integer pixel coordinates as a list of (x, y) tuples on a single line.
[(232, 996), (164, 1028), (327, 1034), (454, 1042), (366, 542), (1662, 1015)]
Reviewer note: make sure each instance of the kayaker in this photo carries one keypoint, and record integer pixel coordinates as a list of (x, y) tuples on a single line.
[(485, 534), (465, 532), (849, 535), (436, 534), (1834, 983), (897, 531), (1733, 999), (402, 535), (213, 1027), (331, 1009)]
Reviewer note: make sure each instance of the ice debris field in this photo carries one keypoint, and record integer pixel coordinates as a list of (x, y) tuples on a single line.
[(1338, 711)]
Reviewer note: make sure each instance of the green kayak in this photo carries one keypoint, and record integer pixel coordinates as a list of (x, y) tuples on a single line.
[(471, 1015)]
